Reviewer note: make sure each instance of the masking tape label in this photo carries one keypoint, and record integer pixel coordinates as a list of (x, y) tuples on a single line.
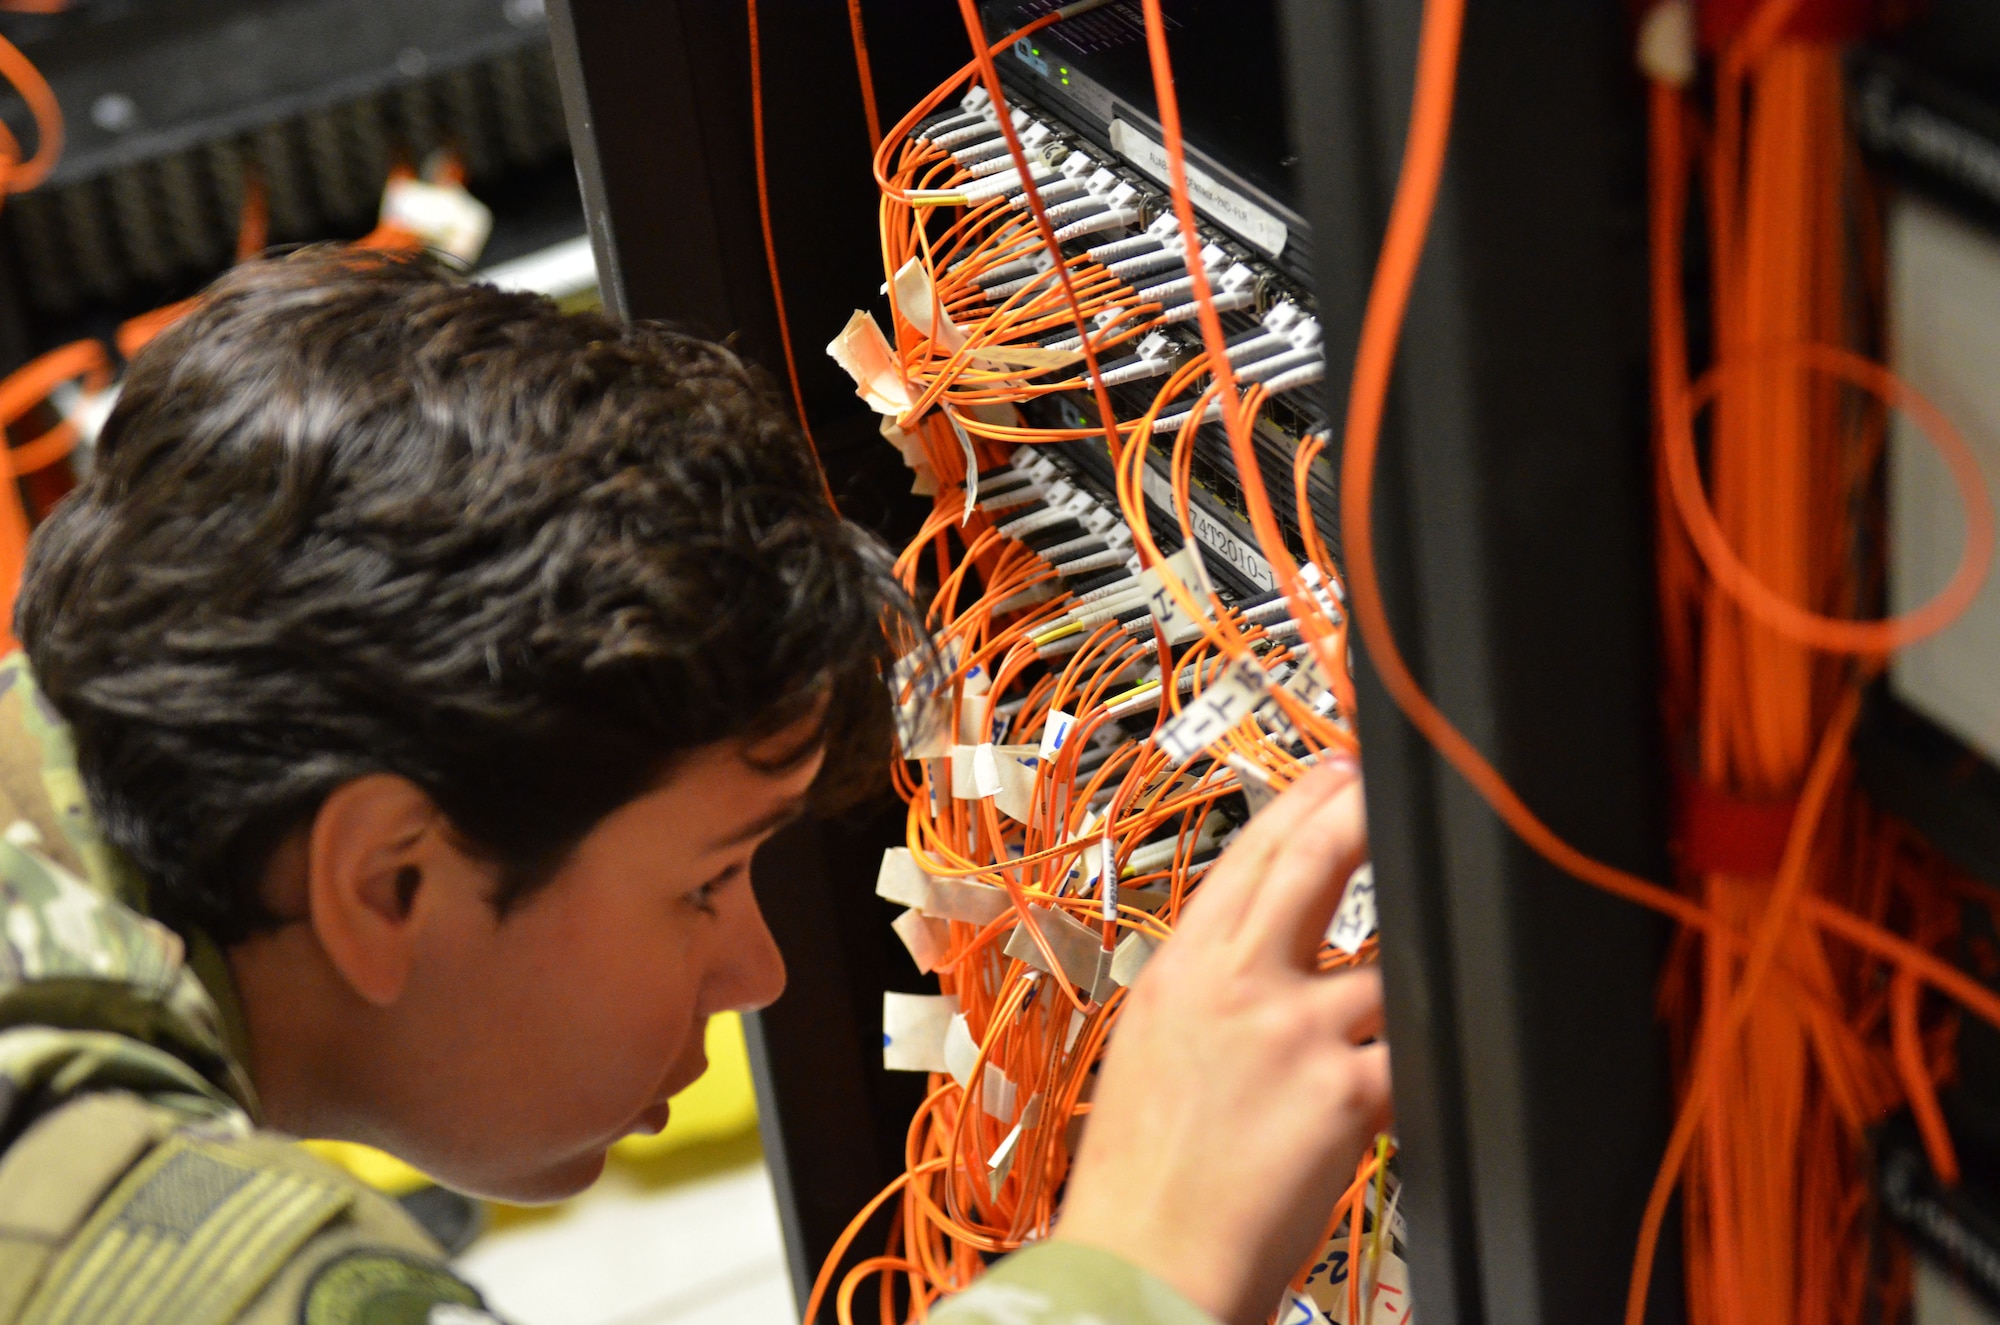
[(1022, 358), (913, 1031), (928, 939), (916, 300), (864, 352), (1258, 790), (900, 879), (971, 718), (961, 1051), (1001, 1162), (971, 464), (967, 902), (1017, 765), (1074, 944), (996, 1093), (1134, 951)]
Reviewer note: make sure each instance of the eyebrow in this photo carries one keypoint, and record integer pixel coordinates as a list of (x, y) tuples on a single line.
[(777, 818)]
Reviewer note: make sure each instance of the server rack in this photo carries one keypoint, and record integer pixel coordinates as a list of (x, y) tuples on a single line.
[(1513, 525), (173, 107)]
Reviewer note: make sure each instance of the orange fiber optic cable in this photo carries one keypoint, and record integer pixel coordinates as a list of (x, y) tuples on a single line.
[(771, 245)]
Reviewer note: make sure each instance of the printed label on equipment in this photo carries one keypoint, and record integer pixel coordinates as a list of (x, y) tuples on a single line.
[(1224, 205), (1213, 534)]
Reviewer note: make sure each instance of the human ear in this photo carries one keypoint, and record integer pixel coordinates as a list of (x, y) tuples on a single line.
[(365, 862)]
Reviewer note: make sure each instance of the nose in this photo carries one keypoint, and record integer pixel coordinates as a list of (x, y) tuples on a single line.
[(754, 973)]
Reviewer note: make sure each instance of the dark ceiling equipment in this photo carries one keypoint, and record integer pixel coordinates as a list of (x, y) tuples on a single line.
[(168, 103)]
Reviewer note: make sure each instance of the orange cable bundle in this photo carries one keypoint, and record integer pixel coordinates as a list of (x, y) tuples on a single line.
[(1791, 1053)]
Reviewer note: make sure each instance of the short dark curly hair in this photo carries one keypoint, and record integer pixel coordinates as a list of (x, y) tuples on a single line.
[(356, 515)]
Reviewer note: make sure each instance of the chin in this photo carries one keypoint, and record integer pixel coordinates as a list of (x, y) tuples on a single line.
[(558, 1182)]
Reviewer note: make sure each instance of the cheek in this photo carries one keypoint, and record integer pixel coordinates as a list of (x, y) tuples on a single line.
[(605, 1001)]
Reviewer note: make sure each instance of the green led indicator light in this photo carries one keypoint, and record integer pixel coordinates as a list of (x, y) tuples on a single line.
[(1065, 75)]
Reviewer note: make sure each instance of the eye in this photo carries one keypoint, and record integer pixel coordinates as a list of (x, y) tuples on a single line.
[(703, 898)]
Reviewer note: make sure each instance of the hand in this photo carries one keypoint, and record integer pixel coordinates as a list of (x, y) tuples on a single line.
[(1237, 1097)]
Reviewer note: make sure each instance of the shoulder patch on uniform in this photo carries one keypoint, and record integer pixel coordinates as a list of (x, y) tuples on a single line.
[(190, 1235), (377, 1286)]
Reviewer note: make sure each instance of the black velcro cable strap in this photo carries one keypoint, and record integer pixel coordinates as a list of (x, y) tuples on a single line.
[(190, 1235)]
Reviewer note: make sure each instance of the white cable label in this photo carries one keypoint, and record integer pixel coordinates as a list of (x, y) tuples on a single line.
[(985, 770), (1355, 920), (1174, 624), (1089, 863), (975, 772), (921, 730), (1055, 731), (971, 464), (922, 724), (444, 216), (1108, 872), (1228, 700)]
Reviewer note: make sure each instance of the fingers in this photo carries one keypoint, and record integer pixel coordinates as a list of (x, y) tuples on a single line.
[(1227, 890), (1368, 1099), (1286, 918), (1350, 1004)]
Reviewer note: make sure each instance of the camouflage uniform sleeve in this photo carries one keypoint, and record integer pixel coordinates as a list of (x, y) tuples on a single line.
[(374, 1264), (1066, 1283), (115, 1209)]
